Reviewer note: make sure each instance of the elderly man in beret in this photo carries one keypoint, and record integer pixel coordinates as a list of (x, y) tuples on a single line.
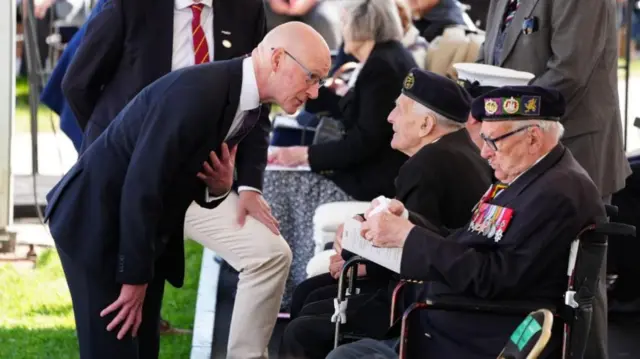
[(441, 182), (517, 243)]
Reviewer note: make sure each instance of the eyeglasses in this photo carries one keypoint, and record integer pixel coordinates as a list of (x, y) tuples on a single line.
[(492, 142), (312, 78)]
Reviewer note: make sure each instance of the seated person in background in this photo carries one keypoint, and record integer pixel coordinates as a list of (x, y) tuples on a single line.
[(412, 40), (319, 14), (516, 245), (442, 181), (362, 163), (431, 17), (329, 95)]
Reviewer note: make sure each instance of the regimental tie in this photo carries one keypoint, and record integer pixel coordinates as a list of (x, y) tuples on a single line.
[(510, 13), (200, 47)]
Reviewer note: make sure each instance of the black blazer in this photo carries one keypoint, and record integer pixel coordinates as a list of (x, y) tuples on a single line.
[(119, 211), (551, 203), (129, 44), (444, 180), (363, 163)]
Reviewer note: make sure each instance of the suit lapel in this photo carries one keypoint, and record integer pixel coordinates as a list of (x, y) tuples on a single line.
[(515, 28), (222, 27), (159, 45), (233, 99)]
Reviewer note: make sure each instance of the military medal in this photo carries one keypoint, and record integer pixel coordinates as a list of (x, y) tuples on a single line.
[(505, 218), (494, 221)]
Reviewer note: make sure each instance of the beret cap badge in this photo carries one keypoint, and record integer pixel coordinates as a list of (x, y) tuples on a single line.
[(511, 106), (490, 106), (409, 81)]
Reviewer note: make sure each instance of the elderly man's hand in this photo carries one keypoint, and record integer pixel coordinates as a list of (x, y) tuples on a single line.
[(253, 204), (386, 230), (289, 156), (395, 207), (219, 178)]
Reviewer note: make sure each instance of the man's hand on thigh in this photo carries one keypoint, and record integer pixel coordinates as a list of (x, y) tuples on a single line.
[(253, 204)]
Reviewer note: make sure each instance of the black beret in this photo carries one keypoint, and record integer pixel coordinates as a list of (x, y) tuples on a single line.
[(475, 89), (519, 103), (438, 93)]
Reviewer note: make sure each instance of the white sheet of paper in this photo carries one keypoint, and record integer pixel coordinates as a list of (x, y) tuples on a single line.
[(352, 241), (284, 168)]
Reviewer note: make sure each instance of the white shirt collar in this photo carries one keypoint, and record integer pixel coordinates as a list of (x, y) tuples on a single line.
[(249, 96), (183, 4)]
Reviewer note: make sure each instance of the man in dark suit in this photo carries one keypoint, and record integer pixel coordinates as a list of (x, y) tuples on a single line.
[(117, 216), (441, 181), (130, 44), (516, 245)]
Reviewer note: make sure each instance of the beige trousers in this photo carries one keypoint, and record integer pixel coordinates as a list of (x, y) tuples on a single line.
[(263, 260)]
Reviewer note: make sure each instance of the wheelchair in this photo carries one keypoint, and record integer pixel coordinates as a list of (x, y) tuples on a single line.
[(584, 264)]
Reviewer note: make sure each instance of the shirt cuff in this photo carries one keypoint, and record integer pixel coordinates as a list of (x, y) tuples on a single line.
[(405, 214), (248, 188), (209, 198)]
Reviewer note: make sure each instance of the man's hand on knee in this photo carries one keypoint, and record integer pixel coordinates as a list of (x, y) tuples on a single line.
[(253, 204)]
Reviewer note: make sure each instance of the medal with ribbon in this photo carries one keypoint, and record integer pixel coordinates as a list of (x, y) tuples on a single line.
[(489, 219)]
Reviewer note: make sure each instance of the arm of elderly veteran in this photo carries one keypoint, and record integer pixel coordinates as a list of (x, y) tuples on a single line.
[(377, 91), (572, 62), (533, 240), (96, 59)]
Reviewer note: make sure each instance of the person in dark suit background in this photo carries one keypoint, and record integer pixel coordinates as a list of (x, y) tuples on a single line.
[(117, 216), (516, 245), (362, 163), (441, 181), (132, 43)]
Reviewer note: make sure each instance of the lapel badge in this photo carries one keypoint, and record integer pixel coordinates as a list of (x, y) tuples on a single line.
[(226, 44), (530, 25)]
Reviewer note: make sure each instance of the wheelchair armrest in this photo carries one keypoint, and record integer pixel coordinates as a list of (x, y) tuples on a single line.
[(611, 210), (462, 304), (615, 229)]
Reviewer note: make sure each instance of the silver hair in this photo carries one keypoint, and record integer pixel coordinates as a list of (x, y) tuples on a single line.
[(551, 127), (420, 109), (376, 20)]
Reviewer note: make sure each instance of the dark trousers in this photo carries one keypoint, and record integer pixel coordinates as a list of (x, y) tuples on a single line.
[(311, 334), (90, 294)]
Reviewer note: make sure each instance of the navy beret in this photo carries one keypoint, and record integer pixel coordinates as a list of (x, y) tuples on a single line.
[(513, 103), (438, 93)]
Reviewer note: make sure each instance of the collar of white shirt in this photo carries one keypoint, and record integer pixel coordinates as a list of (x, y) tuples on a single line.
[(249, 96), (183, 4)]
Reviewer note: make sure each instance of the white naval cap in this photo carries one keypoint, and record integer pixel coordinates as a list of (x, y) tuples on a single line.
[(493, 76)]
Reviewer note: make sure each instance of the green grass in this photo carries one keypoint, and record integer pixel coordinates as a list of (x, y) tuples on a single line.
[(36, 316), (47, 119)]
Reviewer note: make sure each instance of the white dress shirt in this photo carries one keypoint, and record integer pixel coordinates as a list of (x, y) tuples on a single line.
[(249, 100), (183, 51)]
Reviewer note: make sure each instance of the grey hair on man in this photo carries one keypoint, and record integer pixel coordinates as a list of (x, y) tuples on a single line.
[(443, 121), (551, 127), (376, 20)]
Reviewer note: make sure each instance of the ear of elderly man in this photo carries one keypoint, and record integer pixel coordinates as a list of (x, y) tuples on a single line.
[(516, 243)]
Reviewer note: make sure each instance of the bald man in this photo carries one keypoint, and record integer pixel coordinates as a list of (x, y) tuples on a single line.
[(117, 216)]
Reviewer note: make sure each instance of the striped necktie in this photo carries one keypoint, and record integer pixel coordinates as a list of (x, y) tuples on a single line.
[(510, 13), (200, 47)]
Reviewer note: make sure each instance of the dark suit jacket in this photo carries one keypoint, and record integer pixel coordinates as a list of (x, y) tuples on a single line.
[(129, 44), (119, 211), (551, 203), (363, 163), (574, 50), (444, 180)]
